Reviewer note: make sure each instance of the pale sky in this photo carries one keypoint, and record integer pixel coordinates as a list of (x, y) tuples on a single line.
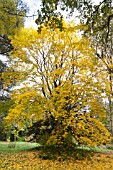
[(34, 5)]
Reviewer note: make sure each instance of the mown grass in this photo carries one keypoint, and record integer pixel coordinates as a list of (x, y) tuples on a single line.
[(19, 146), (22, 146)]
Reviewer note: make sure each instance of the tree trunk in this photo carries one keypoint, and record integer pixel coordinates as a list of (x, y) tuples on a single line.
[(110, 104)]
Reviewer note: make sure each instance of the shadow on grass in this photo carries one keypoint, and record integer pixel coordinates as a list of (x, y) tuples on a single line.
[(64, 153)]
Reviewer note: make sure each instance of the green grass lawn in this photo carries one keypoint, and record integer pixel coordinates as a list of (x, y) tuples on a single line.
[(19, 146), (22, 146)]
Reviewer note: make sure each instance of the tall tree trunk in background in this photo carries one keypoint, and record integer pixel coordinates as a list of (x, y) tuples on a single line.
[(111, 103)]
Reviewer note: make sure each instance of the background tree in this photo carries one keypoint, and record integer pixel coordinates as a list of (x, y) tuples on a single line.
[(56, 70), (12, 14), (101, 29), (12, 19)]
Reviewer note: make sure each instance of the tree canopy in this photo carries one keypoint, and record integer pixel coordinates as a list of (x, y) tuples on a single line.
[(62, 75), (98, 19), (58, 89), (12, 19), (12, 13)]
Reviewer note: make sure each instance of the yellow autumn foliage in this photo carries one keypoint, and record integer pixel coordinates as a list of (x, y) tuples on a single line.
[(56, 70), (12, 19)]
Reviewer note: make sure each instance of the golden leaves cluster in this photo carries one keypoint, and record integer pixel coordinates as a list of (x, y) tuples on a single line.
[(31, 161), (58, 72)]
